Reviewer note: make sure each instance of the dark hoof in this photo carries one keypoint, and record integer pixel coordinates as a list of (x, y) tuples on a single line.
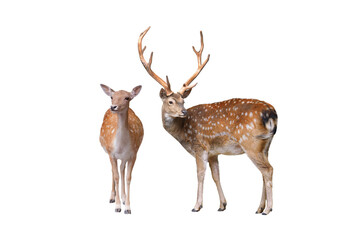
[(124, 203), (194, 210), (127, 211), (111, 201), (222, 209), (271, 209), (118, 210), (264, 213)]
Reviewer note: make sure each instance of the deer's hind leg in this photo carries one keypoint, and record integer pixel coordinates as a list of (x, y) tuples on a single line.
[(263, 199), (259, 156), (113, 191)]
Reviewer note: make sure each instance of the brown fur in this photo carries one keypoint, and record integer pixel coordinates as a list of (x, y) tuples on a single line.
[(121, 136), (110, 120), (231, 127)]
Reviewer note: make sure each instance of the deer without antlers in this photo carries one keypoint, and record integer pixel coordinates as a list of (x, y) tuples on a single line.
[(121, 136), (231, 127)]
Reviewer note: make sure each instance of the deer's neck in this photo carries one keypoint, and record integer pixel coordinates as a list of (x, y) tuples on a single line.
[(122, 125), (173, 126)]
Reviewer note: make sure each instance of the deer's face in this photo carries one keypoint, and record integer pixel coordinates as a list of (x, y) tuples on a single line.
[(173, 105), (120, 99)]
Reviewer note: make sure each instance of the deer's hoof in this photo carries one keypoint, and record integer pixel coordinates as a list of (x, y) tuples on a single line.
[(260, 210), (195, 210), (223, 208), (127, 211), (118, 210), (111, 201), (267, 212)]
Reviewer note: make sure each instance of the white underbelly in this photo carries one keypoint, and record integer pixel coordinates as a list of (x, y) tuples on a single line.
[(229, 149)]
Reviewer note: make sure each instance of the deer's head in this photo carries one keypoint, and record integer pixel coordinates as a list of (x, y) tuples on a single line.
[(120, 99)]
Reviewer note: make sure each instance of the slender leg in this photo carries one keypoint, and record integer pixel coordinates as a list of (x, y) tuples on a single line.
[(263, 199), (116, 182), (268, 173), (261, 162), (123, 192), (113, 191), (129, 178), (201, 160), (214, 166)]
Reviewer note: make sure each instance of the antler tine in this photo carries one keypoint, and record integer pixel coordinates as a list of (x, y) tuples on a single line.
[(148, 64), (200, 66)]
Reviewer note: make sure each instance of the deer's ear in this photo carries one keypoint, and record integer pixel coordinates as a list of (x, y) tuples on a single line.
[(186, 93), (135, 91), (163, 93), (107, 90)]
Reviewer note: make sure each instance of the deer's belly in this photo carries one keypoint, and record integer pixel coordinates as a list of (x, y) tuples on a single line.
[(230, 148)]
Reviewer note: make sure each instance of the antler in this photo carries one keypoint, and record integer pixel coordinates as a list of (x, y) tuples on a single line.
[(186, 86), (147, 65)]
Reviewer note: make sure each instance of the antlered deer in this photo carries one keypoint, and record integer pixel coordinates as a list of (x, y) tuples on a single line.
[(231, 127), (121, 136)]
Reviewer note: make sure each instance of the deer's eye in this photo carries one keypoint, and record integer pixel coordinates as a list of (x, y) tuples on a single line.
[(111, 97), (170, 102), (126, 98)]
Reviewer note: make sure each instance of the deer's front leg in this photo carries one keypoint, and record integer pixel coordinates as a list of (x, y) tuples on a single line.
[(116, 182), (113, 191), (130, 166), (123, 192), (201, 160), (214, 166)]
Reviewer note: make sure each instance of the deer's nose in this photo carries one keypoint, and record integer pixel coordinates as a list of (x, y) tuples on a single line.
[(184, 112), (113, 108)]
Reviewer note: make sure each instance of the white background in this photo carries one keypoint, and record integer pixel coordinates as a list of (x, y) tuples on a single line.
[(303, 57)]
